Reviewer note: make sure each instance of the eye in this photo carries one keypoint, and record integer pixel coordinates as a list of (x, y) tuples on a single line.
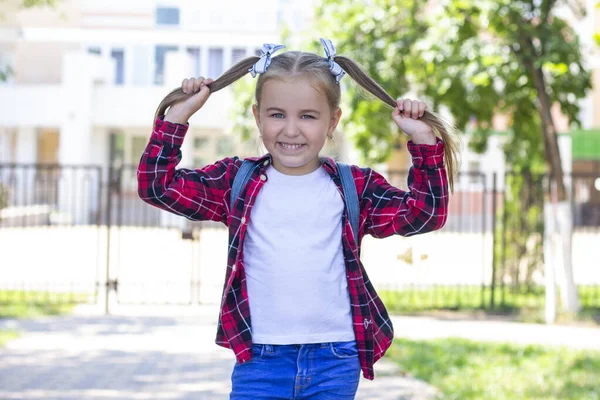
[(306, 116), (277, 115)]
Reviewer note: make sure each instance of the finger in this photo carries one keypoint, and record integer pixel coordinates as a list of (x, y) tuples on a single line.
[(407, 103), (415, 109), (422, 108), (189, 88), (198, 84), (399, 104), (184, 84)]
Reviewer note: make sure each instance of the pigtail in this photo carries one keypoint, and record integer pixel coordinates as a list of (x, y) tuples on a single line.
[(440, 127), (231, 75)]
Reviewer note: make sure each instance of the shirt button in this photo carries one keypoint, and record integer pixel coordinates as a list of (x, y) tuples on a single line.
[(243, 220), (263, 177), (266, 163), (233, 266)]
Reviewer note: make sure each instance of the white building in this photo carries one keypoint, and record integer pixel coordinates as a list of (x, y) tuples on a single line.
[(85, 77), (88, 71)]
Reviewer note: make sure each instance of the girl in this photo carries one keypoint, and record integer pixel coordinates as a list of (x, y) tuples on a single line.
[(293, 259)]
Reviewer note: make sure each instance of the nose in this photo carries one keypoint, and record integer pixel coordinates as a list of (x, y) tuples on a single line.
[(291, 128)]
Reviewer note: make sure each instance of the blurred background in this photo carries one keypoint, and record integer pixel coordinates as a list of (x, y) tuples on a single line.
[(80, 81)]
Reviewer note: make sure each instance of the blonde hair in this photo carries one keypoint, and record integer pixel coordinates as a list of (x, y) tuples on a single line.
[(295, 64)]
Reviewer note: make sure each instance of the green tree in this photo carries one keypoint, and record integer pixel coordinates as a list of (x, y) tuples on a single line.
[(476, 58)]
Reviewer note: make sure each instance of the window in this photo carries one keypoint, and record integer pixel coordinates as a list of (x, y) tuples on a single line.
[(168, 16), (224, 146), (119, 57), (159, 62), (95, 50), (237, 55), (215, 63), (194, 54)]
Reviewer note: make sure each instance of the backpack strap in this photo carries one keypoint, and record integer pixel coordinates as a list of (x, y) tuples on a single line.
[(245, 172), (241, 179), (350, 195)]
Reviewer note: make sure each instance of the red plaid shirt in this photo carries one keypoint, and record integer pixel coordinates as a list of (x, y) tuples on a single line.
[(204, 194)]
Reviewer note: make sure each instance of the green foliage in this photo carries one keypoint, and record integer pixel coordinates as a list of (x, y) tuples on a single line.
[(523, 227), (465, 370), (7, 73), (241, 114), (39, 3), (464, 55)]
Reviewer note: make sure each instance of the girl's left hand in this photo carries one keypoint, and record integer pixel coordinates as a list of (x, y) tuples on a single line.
[(406, 115)]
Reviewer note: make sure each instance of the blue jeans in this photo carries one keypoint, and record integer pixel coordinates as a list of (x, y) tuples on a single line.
[(309, 371)]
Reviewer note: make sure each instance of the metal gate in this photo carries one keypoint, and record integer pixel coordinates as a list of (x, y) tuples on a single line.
[(71, 234), (151, 254), (49, 236)]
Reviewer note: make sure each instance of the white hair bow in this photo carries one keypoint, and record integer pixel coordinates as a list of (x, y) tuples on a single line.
[(335, 68), (265, 58)]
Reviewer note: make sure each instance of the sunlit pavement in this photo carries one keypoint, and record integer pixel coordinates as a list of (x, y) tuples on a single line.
[(139, 353)]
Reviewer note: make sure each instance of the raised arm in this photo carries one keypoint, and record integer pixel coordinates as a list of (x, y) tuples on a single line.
[(423, 208), (195, 194)]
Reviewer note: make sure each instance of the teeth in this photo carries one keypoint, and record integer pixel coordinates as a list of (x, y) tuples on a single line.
[(291, 146)]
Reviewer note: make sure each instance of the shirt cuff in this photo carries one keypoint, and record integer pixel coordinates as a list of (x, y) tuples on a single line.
[(429, 156), (168, 132)]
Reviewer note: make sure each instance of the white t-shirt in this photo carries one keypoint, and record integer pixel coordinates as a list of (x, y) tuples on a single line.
[(295, 271)]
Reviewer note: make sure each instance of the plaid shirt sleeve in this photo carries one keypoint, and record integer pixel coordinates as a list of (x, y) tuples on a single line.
[(423, 208), (197, 194)]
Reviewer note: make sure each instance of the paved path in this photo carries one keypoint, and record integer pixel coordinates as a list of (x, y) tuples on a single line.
[(140, 354), (167, 353)]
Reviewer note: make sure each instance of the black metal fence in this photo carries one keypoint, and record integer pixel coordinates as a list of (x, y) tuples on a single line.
[(475, 261)]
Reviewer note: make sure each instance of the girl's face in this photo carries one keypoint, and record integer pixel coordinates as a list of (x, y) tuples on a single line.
[(294, 120)]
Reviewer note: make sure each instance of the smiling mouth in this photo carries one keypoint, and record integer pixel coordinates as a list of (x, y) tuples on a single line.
[(290, 147)]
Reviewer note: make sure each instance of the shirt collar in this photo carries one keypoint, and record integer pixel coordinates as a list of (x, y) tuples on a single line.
[(327, 162)]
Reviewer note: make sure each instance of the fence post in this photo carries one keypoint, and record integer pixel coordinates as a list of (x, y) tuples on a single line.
[(503, 240), (107, 283), (494, 257)]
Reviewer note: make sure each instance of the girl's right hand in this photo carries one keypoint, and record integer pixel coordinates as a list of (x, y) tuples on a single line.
[(197, 91)]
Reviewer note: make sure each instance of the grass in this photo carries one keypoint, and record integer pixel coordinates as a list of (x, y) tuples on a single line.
[(5, 336), (521, 304), (468, 370), (20, 304)]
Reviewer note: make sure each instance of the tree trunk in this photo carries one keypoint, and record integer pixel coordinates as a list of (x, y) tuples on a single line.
[(550, 137), (564, 224)]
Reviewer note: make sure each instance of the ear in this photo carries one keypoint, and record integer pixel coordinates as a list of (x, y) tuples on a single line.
[(256, 113), (335, 119)]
